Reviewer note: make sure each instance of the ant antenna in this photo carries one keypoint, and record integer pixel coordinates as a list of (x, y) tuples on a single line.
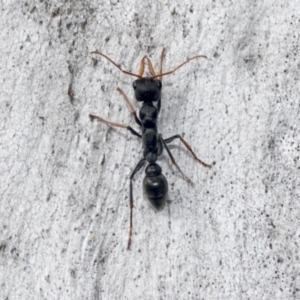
[(171, 72), (151, 69), (125, 72)]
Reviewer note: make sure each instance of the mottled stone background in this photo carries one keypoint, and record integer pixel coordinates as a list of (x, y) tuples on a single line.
[(64, 210)]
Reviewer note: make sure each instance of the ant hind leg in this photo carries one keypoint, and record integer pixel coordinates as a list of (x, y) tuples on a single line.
[(136, 169)]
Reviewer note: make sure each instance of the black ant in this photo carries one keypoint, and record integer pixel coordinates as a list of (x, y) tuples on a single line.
[(148, 90)]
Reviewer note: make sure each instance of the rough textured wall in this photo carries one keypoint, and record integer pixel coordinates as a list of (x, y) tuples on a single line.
[(64, 179)]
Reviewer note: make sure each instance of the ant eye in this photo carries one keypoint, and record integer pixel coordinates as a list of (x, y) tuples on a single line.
[(134, 84), (159, 84)]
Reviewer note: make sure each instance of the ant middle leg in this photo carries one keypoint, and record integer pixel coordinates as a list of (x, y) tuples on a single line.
[(177, 136), (136, 169), (92, 117)]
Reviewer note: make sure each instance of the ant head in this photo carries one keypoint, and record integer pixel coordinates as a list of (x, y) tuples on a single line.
[(147, 89)]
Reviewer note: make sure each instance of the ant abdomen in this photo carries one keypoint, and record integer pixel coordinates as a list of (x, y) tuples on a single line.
[(155, 186)]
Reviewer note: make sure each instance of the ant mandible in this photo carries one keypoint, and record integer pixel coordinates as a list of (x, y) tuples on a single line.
[(148, 91)]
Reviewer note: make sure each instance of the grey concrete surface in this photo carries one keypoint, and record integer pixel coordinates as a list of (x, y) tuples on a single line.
[(64, 179)]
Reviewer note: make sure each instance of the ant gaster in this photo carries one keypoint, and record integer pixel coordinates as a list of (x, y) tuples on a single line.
[(148, 90)]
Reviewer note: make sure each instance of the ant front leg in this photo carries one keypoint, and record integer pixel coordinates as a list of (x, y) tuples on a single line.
[(136, 169), (115, 125), (177, 136), (133, 111)]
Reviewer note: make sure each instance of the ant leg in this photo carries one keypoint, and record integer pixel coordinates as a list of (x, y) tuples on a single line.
[(136, 169), (177, 136), (133, 111), (116, 125), (172, 159)]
